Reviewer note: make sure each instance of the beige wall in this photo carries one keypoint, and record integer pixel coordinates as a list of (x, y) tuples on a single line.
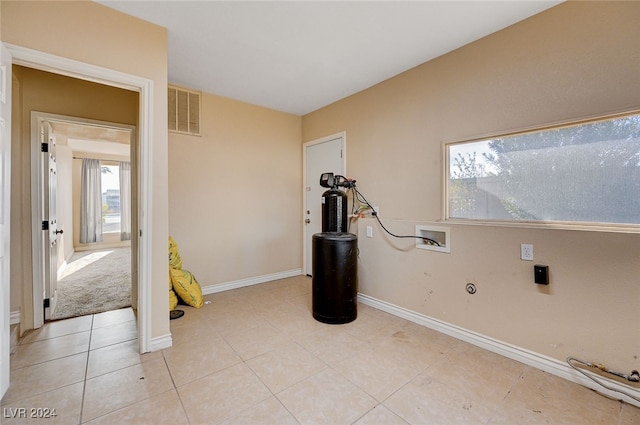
[(94, 34), (235, 194), (576, 60)]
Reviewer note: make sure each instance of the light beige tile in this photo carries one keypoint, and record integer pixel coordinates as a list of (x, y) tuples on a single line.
[(192, 314), (113, 334), (60, 406), (371, 324), (50, 349), (257, 340), (189, 360), (43, 377), (326, 398), (222, 298), (380, 415), (411, 348), (119, 389), (285, 366), (442, 342), (164, 408), (539, 397), (426, 401), (187, 329), (59, 328), (268, 412), (222, 395), (113, 317), (290, 288), (478, 374), (117, 356), (294, 321), (629, 415), (233, 318), (333, 345), (287, 353), (377, 373), (511, 414)]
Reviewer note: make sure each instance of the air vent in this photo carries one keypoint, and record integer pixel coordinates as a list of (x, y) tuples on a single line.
[(184, 111)]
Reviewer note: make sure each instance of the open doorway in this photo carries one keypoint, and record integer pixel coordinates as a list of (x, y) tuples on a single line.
[(142, 89), (90, 254)]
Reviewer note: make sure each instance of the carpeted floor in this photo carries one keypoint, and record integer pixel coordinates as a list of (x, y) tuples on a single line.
[(93, 282)]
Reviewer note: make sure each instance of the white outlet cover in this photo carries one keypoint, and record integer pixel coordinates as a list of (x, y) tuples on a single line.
[(526, 252)]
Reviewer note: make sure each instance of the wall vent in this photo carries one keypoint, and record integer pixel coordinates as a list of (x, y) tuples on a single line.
[(184, 111)]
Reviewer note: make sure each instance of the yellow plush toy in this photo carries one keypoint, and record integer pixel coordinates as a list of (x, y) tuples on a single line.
[(187, 287), (182, 282)]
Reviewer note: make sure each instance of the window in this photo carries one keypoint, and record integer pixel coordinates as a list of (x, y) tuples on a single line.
[(110, 198), (580, 173)]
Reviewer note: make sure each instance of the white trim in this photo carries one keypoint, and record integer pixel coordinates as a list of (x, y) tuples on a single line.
[(8, 338), (533, 359), (37, 208), (161, 342), (341, 135), (212, 289), (14, 317), (144, 86)]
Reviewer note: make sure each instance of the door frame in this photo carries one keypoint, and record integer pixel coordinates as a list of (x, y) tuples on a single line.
[(342, 135), (144, 87), (38, 190), (5, 226)]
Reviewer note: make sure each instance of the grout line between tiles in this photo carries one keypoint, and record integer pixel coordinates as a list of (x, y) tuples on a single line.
[(86, 370)]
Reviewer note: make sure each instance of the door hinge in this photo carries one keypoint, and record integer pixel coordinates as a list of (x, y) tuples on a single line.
[(46, 303), (45, 225), (44, 147)]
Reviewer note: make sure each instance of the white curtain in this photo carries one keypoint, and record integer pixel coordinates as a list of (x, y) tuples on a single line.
[(91, 202), (125, 201)]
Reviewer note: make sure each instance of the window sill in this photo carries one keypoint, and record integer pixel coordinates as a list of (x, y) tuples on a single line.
[(556, 225)]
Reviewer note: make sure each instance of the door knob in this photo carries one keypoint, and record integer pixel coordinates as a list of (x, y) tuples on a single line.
[(59, 232), (307, 221)]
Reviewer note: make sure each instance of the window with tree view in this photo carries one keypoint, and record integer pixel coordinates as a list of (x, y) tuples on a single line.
[(584, 173), (110, 198)]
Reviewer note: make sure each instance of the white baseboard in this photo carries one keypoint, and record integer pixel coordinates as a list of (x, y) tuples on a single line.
[(212, 289), (14, 317), (161, 342), (536, 360), (14, 338)]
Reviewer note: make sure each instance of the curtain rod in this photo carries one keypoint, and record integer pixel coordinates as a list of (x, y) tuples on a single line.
[(99, 159)]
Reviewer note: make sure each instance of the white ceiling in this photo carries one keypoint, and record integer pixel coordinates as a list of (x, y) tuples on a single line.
[(298, 56), (92, 139)]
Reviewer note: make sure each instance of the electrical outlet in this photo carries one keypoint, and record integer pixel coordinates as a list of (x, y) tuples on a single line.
[(526, 252), (369, 231)]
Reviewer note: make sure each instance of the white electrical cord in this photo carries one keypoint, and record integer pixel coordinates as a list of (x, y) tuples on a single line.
[(597, 381)]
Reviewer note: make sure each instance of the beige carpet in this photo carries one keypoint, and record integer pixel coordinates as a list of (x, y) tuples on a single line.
[(93, 282)]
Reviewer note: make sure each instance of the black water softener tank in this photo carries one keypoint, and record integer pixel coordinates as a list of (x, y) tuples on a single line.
[(334, 211), (335, 277)]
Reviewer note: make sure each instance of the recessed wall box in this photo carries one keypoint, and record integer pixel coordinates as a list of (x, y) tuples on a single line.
[(433, 238), (541, 274)]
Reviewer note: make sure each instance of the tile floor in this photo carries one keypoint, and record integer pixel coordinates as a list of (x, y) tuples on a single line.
[(256, 356)]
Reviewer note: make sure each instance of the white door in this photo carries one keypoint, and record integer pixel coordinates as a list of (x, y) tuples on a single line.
[(5, 209), (50, 233), (324, 155)]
